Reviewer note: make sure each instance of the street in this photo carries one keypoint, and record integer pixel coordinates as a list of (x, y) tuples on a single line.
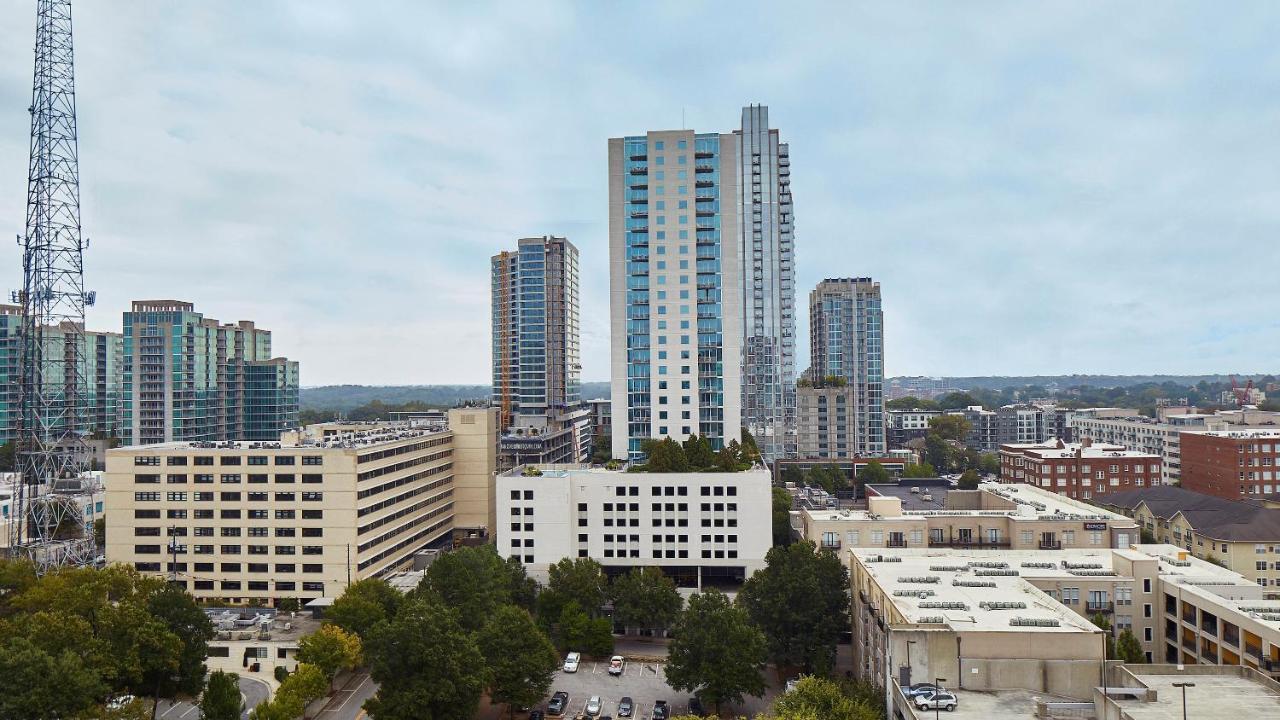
[(346, 702)]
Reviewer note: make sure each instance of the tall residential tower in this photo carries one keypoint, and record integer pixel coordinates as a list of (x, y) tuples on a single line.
[(767, 243), (675, 293), (847, 345), (536, 362)]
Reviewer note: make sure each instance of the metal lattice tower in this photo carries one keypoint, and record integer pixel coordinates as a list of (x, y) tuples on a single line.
[(47, 525)]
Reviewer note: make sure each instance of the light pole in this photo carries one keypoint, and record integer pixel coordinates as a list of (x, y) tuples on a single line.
[(937, 704), (1184, 686)]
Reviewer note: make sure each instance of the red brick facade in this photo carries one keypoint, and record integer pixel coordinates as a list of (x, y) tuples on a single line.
[(1079, 472), (1231, 464)]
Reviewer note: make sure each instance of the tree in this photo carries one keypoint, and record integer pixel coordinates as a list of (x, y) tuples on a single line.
[(364, 604), (37, 683), (178, 611), (821, 476), (716, 651), (100, 532), (425, 664), (792, 474), (781, 516), (574, 626), (938, 452), (910, 403), (520, 659), (989, 463), (645, 598), (699, 453), (523, 589), (599, 639), (730, 459), (305, 684), (800, 600), (969, 480), (665, 455), (750, 450), (473, 581), (950, 427), (287, 605), (330, 649), (919, 470), (1129, 649), (1101, 621), (873, 473), (957, 401), (820, 698), (601, 449), (221, 697), (580, 579)]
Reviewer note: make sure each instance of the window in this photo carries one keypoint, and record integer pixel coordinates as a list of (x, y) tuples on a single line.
[(312, 460), (284, 460), (146, 461)]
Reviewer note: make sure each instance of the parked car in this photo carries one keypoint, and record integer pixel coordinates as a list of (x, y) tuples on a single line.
[(695, 707), (920, 689), (791, 684), (558, 702), (571, 662), (935, 700), (593, 706), (536, 715), (119, 702), (615, 665), (626, 707), (660, 711)]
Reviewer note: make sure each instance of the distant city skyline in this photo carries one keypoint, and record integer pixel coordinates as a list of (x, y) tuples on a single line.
[(1040, 189)]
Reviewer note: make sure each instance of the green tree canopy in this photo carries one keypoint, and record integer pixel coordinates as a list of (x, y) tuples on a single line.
[(665, 455), (645, 598), (520, 659), (364, 604), (874, 473), (474, 581), (716, 651), (919, 470), (820, 698), (781, 516), (1129, 649), (221, 697), (910, 403), (579, 579), (957, 401), (969, 480), (330, 649), (177, 610), (425, 664), (950, 427), (800, 600)]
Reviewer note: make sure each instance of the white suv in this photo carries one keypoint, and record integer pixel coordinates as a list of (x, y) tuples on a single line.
[(615, 665), (934, 700), (571, 662)]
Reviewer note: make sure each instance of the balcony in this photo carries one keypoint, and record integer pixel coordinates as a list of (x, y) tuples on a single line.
[(895, 543), (830, 544), (1050, 544), (639, 170), (1106, 608), (972, 543)]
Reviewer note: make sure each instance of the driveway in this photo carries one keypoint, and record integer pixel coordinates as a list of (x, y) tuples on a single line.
[(252, 692)]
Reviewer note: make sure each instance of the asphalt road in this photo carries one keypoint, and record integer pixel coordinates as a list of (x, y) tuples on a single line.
[(345, 704), (252, 691)]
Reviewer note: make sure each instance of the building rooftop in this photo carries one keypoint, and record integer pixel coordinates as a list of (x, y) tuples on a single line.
[(1214, 517), (935, 489), (563, 470), (349, 436), (1059, 449), (1220, 693), (1242, 434), (1015, 500), (978, 591)]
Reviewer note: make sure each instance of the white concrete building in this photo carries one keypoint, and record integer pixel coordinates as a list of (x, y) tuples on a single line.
[(695, 526)]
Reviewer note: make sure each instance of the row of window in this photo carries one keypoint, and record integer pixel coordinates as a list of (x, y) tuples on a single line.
[(226, 514), (228, 549), (181, 496), (205, 531), (175, 460), (225, 478), (282, 568)]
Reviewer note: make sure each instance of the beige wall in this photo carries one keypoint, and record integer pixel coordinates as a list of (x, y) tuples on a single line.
[(474, 463)]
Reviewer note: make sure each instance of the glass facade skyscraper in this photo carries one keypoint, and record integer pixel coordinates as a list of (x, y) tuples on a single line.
[(846, 334), (188, 377), (768, 286), (675, 288), (536, 356)]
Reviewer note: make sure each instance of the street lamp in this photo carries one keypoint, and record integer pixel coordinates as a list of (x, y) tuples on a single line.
[(937, 705), (1184, 686)]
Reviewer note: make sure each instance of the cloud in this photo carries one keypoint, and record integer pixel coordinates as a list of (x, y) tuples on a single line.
[(1059, 187)]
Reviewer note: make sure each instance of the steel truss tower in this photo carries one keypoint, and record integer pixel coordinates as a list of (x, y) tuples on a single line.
[(48, 524)]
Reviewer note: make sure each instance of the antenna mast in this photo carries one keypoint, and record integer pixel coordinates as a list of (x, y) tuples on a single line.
[(48, 524)]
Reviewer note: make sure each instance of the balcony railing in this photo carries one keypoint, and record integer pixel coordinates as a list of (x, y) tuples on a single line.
[(895, 543), (1099, 607), (1050, 544), (830, 544), (975, 543)]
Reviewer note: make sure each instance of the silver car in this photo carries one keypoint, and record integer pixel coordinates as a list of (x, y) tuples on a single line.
[(593, 706)]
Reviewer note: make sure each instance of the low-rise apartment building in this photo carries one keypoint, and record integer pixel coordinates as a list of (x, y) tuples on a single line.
[(1232, 463), (999, 620), (1242, 535), (1083, 470), (994, 516), (1154, 435), (695, 526), (300, 518), (903, 426)]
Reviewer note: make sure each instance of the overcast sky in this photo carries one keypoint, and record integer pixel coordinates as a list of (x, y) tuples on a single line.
[(1039, 187)]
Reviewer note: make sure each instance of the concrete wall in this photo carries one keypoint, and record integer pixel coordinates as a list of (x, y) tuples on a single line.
[(474, 462), (1067, 678)]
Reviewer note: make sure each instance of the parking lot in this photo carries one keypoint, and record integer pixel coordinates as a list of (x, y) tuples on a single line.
[(643, 682)]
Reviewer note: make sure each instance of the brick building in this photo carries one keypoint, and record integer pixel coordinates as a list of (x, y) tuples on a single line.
[(1231, 463), (1078, 470)]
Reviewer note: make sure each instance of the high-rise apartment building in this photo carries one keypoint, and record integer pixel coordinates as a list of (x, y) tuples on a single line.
[(101, 358), (188, 377), (767, 242), (847, 345), (536, 357), (675, 279)]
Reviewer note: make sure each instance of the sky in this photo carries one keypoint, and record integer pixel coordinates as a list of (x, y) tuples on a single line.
[(1040, 188)]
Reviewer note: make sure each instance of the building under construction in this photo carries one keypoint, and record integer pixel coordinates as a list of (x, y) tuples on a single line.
[(536, 364)]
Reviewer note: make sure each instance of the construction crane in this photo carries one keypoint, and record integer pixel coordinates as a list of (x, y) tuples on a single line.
[(48, 524), (1242, 393)]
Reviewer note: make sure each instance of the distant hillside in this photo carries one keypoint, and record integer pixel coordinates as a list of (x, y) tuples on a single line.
[(349, 397), (1102, 381)]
